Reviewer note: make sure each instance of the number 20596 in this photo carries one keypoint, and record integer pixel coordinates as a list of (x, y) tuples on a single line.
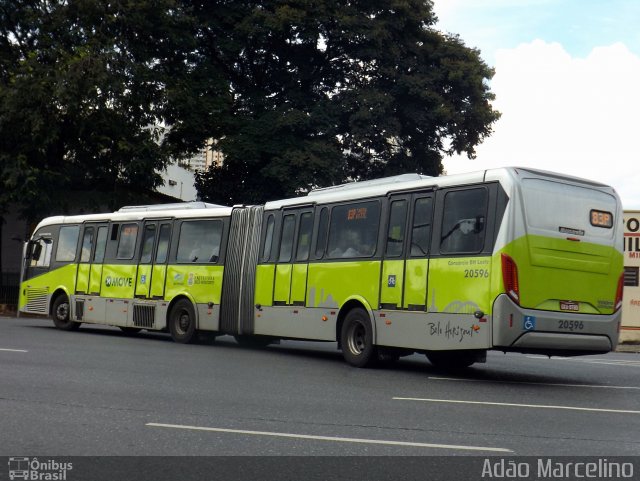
[(570, 325)]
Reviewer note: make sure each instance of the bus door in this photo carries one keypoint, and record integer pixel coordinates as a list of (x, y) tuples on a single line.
[(159, 268), (417, 266), (89, 274), (84, 263), (406, 263), (393, 265), (290, 284), (301, 259), (152, 267)]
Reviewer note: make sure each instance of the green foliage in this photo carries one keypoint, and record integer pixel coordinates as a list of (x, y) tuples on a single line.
[(327, 91), (299, 93), (81, 82)]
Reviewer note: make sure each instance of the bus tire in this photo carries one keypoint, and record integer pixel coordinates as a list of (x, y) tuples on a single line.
[(356, 339), (182, 322), (451, 360), (61, 312)]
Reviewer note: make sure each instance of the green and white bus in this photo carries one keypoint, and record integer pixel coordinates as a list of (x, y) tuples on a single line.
[(509, 259)]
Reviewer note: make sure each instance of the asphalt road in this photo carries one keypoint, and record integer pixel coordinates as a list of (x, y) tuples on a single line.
[(99, 392)]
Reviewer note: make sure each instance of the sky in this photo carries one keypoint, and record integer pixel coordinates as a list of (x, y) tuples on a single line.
[(567, 82)]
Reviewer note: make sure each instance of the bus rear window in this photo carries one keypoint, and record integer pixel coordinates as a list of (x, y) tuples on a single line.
[(552, 206)]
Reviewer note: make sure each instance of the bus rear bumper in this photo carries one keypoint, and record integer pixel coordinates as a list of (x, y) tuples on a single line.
[(563, 344), (551, 332)]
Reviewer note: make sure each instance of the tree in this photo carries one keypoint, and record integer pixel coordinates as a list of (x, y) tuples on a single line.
[(82, 91), (321, 92)]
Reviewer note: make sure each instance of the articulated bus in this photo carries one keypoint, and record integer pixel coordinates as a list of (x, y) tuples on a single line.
[(508, 259)]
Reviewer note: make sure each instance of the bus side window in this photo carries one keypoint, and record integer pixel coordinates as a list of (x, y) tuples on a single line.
[(127, 242), (421, 228), (199, 241), (148, 239), (163, 244), (268, 238), (463, 221), (67, 243), (396, 230), (354, 230), (286, 240), (323, 228), (304, 236), (87, 243), (101, 245), (44, 257)]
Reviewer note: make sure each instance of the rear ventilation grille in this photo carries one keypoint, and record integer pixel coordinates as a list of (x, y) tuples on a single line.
[(37, 298), (144, 315)]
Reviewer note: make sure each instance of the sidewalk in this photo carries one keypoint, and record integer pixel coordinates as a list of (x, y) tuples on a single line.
[(633, 347)]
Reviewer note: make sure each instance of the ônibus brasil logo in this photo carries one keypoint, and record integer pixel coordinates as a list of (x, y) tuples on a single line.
[(34, 469), (118, 281)]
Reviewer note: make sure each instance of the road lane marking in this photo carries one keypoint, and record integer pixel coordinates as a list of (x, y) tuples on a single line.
[(13, 350), (595, 386), (331, 438), (539, 406)]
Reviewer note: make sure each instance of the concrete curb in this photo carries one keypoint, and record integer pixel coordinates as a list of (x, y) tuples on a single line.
[(628, 347)]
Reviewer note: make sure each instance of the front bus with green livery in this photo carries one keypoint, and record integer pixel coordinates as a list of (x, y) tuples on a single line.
[(155, 268), (508, 259)]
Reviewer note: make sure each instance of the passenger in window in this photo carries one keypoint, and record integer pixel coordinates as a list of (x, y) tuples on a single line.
[(194, 255), (347, 245)]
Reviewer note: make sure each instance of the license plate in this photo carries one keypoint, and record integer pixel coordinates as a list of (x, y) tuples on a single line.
[(569, 306)]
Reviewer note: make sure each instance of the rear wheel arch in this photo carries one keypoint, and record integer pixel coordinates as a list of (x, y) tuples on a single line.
[(182, 320), (174, 301), (350, 304)]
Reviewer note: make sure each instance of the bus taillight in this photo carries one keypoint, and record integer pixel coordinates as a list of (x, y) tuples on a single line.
[(619, 290), (510, 278)]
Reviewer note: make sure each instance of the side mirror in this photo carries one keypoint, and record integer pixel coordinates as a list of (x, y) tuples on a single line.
[(37, 250)]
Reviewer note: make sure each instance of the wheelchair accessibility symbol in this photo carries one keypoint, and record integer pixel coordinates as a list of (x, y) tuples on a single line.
[(529, 323)]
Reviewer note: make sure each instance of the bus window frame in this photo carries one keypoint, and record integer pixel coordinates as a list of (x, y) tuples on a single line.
[(54, 256), (176, 232), (381, 229), (496, 206)]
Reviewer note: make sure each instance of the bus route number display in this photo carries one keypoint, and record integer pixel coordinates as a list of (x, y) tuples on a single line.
[(357, 214), (601, 218)]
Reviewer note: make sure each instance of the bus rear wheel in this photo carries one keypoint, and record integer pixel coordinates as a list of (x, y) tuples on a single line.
[(356, 339), (61, 312), (182, 322)]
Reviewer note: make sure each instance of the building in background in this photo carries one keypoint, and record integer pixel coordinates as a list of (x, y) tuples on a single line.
[(179, 183), (630, 328), (205, 157)]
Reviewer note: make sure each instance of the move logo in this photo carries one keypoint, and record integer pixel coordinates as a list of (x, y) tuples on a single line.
[(118, 281)]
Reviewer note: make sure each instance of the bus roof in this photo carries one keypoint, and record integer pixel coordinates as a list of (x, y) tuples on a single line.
[(407, 182), (343, 192), (139, 213)]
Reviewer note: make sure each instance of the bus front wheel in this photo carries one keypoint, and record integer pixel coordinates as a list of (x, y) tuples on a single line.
[(61, 312), (356, 339), (182, 322)]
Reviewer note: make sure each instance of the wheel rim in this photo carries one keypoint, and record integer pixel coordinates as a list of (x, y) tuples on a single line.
[(356, 338), (62, 311), (183, 322)]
